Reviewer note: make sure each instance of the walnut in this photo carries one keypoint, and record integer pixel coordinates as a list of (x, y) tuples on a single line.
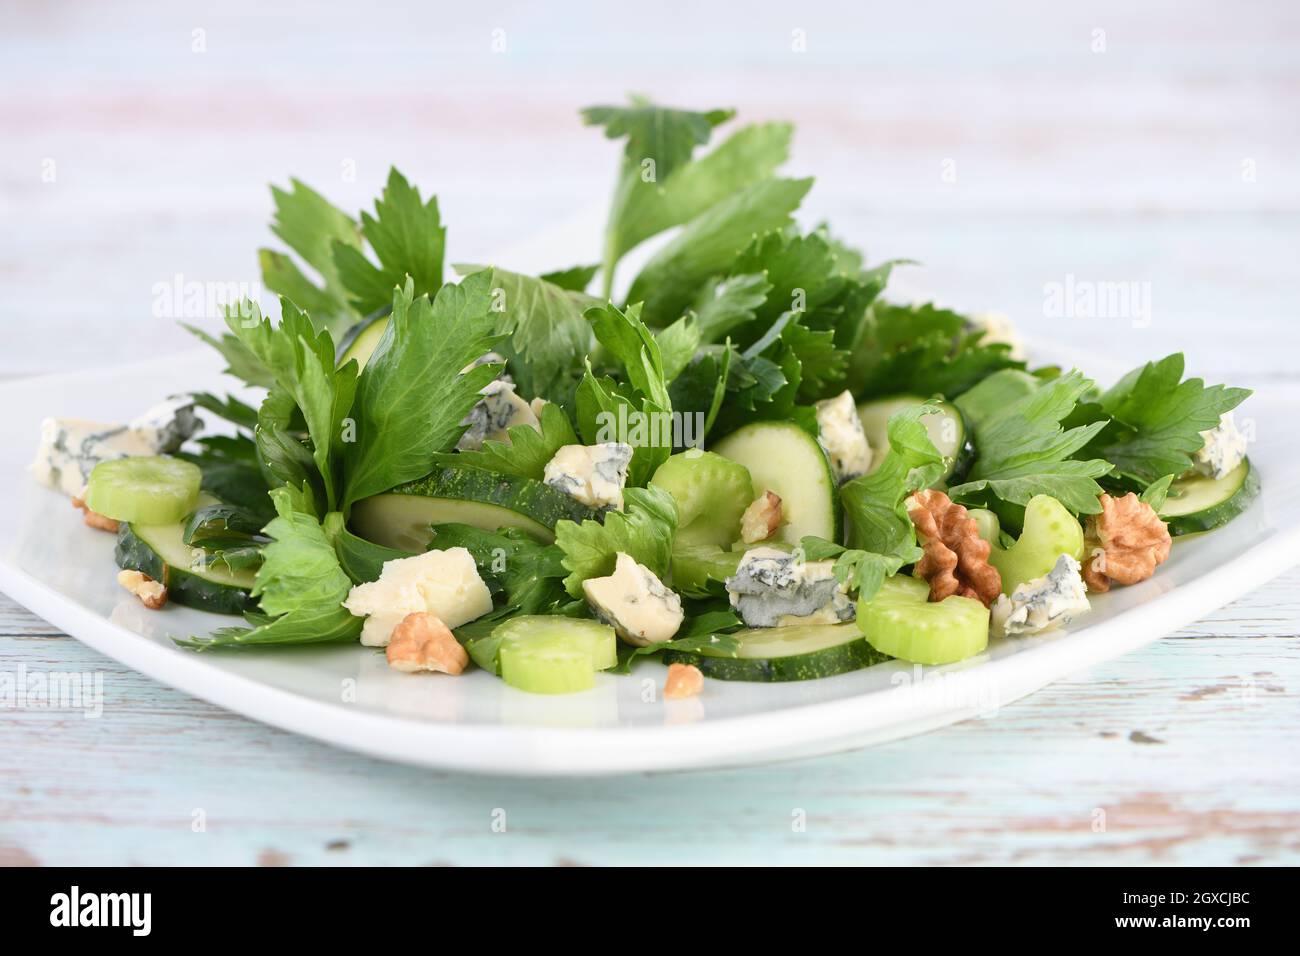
[(422, 642), (761, 519), (956, 559), (684, 680), (151, 593), (93, 518), (1123, 543)]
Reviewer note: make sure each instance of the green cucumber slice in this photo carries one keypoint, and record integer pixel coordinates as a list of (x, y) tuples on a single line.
[(360, 341), (783, 458), (798, 652), (401, 518), (900, 621), (1201, 503), (711, 492), (701, 570), (160, 551), (1050, 531), (147, 489), (947, 430), (549, 654)]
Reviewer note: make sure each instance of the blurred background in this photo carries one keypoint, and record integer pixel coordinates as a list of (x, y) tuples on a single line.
[(1004, 145)]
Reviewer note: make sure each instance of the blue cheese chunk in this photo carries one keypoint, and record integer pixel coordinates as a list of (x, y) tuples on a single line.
[(499, 410), (443, 583), (774, 588), (591, 474), (633, 601), (71, 448), (839, 432), (1043, 603), (1224, 449)]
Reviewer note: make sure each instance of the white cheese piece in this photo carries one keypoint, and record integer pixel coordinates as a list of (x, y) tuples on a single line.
[(592, 474), (1224, 449), (1043, 603), (498, 410), (71, 448), (633, 601), (444, 583), (998, 329), (773, 588), (839, 432)]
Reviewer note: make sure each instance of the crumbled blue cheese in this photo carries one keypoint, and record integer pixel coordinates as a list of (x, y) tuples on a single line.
[(1224, 449), (497, 411), (633, 601), (774, 588), (1043, 603), (839, 432), (443, 583), (592, 474), (998, 329), (71, 448)]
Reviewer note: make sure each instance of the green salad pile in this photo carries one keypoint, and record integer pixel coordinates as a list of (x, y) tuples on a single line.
[(721, 467)]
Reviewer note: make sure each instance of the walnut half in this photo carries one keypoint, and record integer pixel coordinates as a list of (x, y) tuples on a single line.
[(956, 559), (1124, 543), (94, 519), (422, 642)]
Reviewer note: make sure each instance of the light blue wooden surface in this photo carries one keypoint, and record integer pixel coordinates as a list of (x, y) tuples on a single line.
[(1126, 163)]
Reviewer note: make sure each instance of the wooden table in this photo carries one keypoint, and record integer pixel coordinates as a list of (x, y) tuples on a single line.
[(136, 149)]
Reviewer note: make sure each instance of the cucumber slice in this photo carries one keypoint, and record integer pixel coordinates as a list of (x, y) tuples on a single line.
[(1201, 503), (900, 621), (401, 518), (784, 458), (160, 551), (548, 654), (711, 492), (360, 341), (701, 570), (1050, 531), (947, 430), (798, 652), (147, 489)]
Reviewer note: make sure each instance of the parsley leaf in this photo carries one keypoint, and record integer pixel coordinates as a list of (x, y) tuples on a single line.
[(922, 350), (300, 586), (709, 243), (407, 237), (311, 226), (861, 572), (411, 399), (873, 504), (644, 530), (548, 334), (527, 452), (1024, 451), (1157, 419)]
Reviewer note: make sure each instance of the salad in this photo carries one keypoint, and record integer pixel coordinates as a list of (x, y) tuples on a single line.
[(754, 465)]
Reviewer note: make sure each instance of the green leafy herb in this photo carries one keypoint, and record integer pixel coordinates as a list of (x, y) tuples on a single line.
[(519, 570), (1024, 451), (411, 398), (300, 586), (861, 572), (407, 237), (922, 350), (709, 243), (527, 452), (1157, 418), (643, 530)]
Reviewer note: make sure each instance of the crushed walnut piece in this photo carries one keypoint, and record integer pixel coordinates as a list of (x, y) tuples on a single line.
[(761, 519), (93, 518), (1124, 543), (422, 642), (956, 559), (684, 680), (152, 594)]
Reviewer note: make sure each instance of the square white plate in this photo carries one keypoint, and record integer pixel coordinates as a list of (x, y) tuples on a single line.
[(347, 695)]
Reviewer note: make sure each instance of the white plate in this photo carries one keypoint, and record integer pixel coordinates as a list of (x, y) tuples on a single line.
[(348, 696)]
